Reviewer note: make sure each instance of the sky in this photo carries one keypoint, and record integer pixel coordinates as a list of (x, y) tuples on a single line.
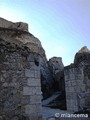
[(62, 26)]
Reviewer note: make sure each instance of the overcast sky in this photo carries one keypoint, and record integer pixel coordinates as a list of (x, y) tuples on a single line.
[(63, 26)]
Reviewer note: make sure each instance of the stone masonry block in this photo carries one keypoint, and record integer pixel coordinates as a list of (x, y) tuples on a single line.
[(31, 90), (35, 99), (72, 76), (33, 82), (77, 89), (30, 109), (79, 77), (33, 66), (66, 77), (83, 88), (29, 73), (68, 83), (37, 74), (33, 109), (73, 83), (75, 108), (38, 90), (30, 57), (66, 88)]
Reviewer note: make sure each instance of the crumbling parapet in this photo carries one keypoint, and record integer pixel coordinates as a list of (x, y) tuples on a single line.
[(18, 25)]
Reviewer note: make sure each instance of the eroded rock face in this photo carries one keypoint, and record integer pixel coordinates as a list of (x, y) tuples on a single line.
[(84, 50), (82, 56), (56, 64), (57, 68), (46, 76)]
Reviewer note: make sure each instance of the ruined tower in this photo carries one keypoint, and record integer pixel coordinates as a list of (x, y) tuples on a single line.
[(20, 87)]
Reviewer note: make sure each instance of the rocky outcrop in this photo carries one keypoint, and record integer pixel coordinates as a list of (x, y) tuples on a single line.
[(82, 56), (18, 25), (46, 77), (55, 65), (57, 68), (84, 50)]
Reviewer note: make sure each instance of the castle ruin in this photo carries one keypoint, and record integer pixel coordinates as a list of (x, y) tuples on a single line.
[(24, 67), (20, 87)]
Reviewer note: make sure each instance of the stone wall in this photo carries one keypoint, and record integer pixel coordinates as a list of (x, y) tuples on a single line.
[(20, 87), (74, 86), (32, 90), (77, 84)]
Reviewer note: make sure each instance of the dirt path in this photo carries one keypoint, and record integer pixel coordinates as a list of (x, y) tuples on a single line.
[(50, 99)]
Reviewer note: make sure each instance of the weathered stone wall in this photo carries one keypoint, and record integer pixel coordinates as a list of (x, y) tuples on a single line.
[(87, 85), (32, 90), (74, 86), (77, 84), (20, 87)]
